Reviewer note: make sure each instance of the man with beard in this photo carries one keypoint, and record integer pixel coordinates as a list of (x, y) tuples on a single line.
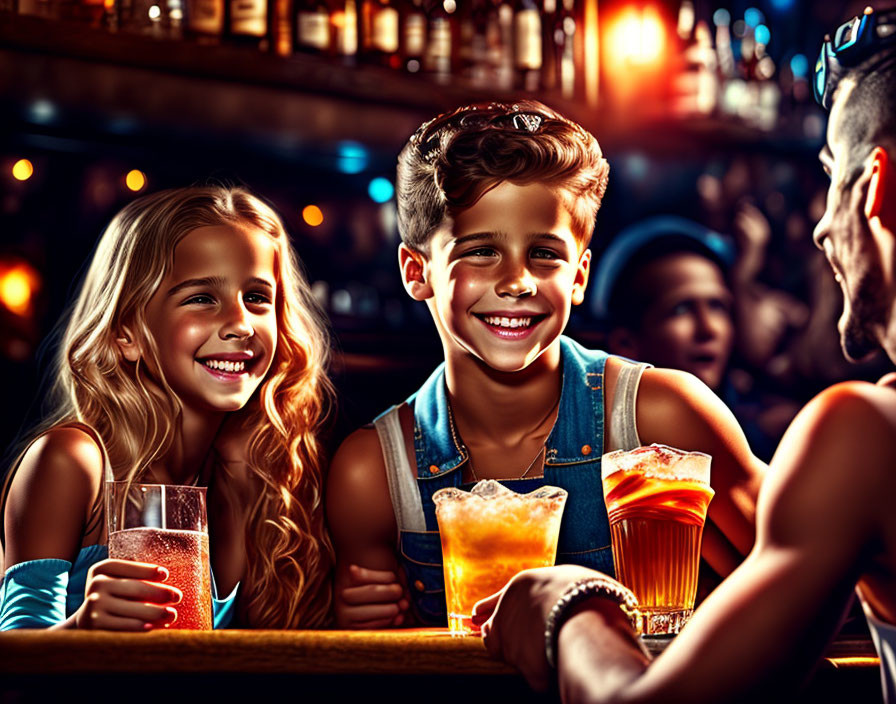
[(825, 519)]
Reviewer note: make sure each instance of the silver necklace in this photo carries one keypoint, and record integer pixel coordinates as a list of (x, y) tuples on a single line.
[(541, 451)]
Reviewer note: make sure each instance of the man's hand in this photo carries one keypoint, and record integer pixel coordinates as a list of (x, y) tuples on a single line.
[(121, 595), (372, 599), (513, 620)]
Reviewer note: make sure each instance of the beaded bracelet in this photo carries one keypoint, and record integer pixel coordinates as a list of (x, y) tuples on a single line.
[(578, 592)]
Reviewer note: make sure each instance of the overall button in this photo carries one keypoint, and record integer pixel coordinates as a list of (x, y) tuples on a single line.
[(419, 586), (586, 449), (433, 469)]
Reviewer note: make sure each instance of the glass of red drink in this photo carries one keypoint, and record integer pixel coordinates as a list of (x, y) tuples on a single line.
[(166, 525)]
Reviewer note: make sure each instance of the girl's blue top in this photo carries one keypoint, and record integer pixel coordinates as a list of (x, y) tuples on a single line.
[(42, 593)]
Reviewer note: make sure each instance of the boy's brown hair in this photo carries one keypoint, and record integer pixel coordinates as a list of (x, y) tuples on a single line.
[(452, 161)]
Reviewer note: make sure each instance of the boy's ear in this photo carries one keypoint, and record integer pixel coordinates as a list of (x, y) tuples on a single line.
[(581, 280), (881, 188), (414, 273), (127, 344)]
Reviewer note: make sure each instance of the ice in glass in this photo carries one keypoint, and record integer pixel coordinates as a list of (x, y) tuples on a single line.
[(488, 535), (166, 525), (656, 499)]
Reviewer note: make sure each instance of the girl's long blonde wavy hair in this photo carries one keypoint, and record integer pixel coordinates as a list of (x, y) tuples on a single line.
[(288, 551)]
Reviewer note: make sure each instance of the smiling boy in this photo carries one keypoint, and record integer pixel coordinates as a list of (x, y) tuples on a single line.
[(496, 206)]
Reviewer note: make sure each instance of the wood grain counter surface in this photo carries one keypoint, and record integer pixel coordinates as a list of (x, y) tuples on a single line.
[(406, 651), (330, 667)]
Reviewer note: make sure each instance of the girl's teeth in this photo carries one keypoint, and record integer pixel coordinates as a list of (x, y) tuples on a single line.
[(509, 322), (222, 366)]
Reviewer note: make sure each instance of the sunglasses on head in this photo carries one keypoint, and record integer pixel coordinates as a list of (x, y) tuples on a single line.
[(853, 42), (429, 136)]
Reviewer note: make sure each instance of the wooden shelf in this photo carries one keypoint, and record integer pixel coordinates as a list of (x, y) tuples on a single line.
[(118, 85)]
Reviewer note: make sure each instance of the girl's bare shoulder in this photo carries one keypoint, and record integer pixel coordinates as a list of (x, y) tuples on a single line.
[(51, 494)]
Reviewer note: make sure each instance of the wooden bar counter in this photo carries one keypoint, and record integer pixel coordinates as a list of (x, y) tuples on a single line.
[(329, 666)]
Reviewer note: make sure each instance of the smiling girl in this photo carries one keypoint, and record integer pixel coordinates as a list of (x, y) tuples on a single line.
[(193, 355)]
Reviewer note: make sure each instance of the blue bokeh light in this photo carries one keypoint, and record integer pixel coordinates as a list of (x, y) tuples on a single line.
[(763, 35), (782, 5), (721, 17), (380, 190), (754, 17), (352, 158), (43, 111), (799, 66)]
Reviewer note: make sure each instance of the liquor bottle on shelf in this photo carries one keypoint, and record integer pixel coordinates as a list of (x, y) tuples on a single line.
[(549, 64), (379, 33), (344, 30), (480, 74), (464, 22), (564, 47), (204, 20), (499, 35), (312, 27), (438, 59), (696, 85), (248, 23), (282, 27), (413, 35), (143, 17), (527, 59)]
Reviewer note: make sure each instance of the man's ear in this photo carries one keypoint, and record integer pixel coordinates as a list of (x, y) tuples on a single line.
[(127, 344), (414, 273), (881, 188), (581, 280)]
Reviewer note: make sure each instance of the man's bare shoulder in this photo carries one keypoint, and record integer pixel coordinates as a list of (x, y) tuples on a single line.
[(835, 461), (858, 413)]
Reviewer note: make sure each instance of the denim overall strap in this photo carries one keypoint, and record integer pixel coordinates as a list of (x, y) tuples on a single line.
[(572, 462), (573, 459), (437, 446)]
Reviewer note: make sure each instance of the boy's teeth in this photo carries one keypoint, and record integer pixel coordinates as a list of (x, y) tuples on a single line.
[(508, 322), (222, 366)]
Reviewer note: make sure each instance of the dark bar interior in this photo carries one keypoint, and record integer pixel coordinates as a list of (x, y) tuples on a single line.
[(704, 111)]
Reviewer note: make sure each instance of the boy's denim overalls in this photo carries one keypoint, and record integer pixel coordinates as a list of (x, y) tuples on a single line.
[(572, 462)]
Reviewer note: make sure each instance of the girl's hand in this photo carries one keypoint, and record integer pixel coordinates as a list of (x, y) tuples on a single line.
[(372, 599), (121, 595)]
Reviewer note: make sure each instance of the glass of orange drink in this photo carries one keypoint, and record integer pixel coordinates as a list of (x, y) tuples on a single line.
[(166, 525), (656, 499), (489, 534)]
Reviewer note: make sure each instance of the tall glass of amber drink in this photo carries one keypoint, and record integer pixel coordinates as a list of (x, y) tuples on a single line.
[(657, 498), (166, 525), (488, 535)]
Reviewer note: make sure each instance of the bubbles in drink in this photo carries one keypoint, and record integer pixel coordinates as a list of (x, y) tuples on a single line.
[(488, 535), (185, 555)]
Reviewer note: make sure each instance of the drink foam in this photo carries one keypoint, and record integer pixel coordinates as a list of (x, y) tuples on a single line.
[(659, 461)]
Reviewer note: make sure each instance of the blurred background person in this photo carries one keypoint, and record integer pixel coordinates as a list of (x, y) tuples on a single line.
[(666, 294)]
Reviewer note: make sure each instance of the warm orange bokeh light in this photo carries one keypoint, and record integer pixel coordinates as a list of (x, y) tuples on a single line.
[(637, 36), (312, 215), (18, 284), (135, 180), (22, 170)]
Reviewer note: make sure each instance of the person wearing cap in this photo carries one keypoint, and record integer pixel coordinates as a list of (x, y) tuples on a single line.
[(825, 521), (663, 292)]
